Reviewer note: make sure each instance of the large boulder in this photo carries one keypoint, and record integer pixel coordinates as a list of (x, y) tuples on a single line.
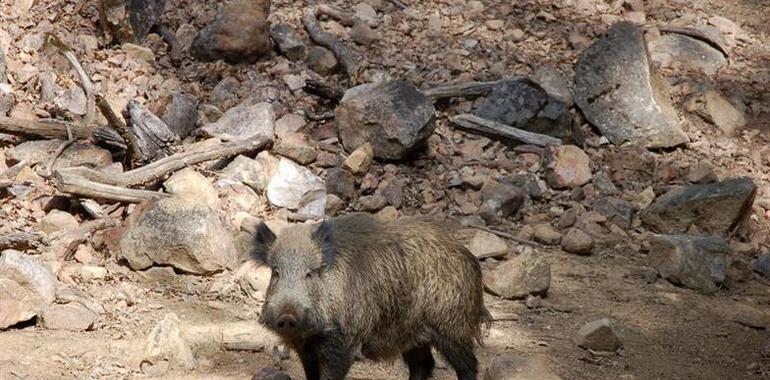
[(26, 288), (696, 262), (182, 233), (240, 33), (619, 94), (715, 208), (395, 117), (130, 20)]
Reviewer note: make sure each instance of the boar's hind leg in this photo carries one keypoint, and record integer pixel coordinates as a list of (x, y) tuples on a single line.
[(420, 362), (460, 357)]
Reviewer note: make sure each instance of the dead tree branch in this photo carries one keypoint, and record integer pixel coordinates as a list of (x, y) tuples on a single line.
[(493, 128)]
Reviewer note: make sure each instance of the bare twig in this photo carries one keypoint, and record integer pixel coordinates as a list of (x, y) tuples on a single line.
[(509, 236), (85, 82), (349, 60), (467, 89), (59, 151), (698, 35), (398, 4), (119, 126), (73, 182), (489, 127), (324, 90)]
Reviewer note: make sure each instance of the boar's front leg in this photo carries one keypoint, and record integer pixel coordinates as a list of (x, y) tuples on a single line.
[(326, 358)]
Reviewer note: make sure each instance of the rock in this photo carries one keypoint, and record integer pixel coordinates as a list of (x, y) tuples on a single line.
[(371, 203), (334, 204), (515, 35), (72, 317), (240, 33), (524, 275), (77, 154), (182, 233), (152, 135), (696, 262), (499, 200), (675, 49), (72, 100), (289, 42), (365, 12), (617, 92), (321, 60), (546, 234), (484, 245), (296, 146), (180, 113), (723, 114), (360, 160), (598, 335), (388, 213), (56, 221), (137, 52), (529, 183), (726, 26), (225, 94), (395, 117), (26, 288), (130, 21), (762, 265), (578, 242), (340, 182), (85, 254), (603, 183), (253, 278), (702, 172), (523, 104), (189, 184), (7, 98), (715, 208), (270, 374), (243, 122), (578, 41), (253, 173), (288, 124), (166, 348), (738, 270), (567, 167), (552, 81), (616, 211), (363, 34), (643, 199), (509, 366), (291, 183)]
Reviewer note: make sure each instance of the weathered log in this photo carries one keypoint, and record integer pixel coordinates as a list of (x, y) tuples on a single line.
[(324, 90), (121, 128), (153, 137), (467, 89), (201, 152), (488, 127), (47, 128), (71, 182), (347, 58)]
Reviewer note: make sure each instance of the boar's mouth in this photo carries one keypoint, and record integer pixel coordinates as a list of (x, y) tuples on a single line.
[(307, 326)]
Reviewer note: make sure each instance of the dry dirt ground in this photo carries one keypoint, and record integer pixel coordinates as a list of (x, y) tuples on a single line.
[(667, 332)]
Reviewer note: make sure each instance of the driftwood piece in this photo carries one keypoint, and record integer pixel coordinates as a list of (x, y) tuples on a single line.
[(107, 136), (345, 18), (119, 126), (238, 336), (20, 241), (499, 130), (72, 182), (347, 58), (713, 41), (467, 89), (153, 137), (201, 152), (47, 128)]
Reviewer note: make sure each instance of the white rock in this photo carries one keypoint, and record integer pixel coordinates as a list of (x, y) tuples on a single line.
[(291, 184), (56, 221), (243, 122), (26, 288), (188, 183)]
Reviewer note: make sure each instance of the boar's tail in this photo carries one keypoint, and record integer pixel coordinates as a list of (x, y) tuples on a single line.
[(485, 323)]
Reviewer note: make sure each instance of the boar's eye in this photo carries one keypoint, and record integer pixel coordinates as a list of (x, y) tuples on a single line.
[(309, 273), (275, 273)]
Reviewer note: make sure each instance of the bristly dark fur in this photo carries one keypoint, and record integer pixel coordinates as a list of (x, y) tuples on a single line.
[(263, 239), (324, 237)]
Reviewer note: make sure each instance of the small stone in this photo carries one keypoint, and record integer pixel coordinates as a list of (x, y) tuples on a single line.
[(360, 160), (166, 348), (762, 265), (516, 35), (643, 199), (578, 41), (567, 167), (371, 203), (72, 317), (362, 34), (617, 211), (253, 173), (240, 33), (334, 204), (395, 117), (546, 234), (598, 335), (485, 245), (291, 183), (288, 124), (696, 262), (189, 184), (73, 100), (364, 11), (500, 201), (510, 366), (57, 221), (389, 213), (270, 374), (180, 113), (340, 182), (724, 115), (578, 242), (225, 93), (552, 81), (294, 82), (739, 270), (77, 154), (529, 183), (702, 172), (603, 183), (296, 147), (726, 26), (672, 50), (138, 52), (85, 254), (289, 42), (243, 122), (321, 60), (524, 275), (495, 24)]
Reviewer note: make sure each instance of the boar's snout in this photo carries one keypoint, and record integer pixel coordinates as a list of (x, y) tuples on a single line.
[(289, 320)]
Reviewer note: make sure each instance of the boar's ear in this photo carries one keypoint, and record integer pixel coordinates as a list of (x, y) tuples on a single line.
[(324, 237), (263, 238)]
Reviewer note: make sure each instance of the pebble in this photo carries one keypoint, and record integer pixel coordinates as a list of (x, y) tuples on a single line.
[(598, 335), (578, 242)]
